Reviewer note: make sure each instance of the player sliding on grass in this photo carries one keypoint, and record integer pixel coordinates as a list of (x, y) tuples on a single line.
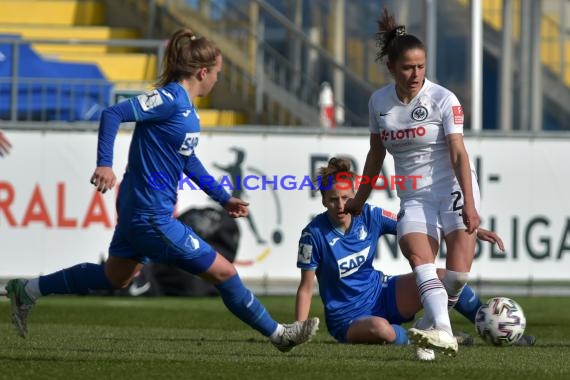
[(162, 147), (362, 304)]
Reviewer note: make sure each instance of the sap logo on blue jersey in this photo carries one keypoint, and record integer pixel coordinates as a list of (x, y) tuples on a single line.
[(350, 264), (189, 144)]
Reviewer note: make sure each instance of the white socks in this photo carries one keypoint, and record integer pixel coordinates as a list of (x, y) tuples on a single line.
[(454, 282), (274, 337), (433, 297), (33, 288)]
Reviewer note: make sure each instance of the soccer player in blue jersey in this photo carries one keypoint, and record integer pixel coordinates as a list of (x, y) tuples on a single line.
[(163, 147), (362, 304)]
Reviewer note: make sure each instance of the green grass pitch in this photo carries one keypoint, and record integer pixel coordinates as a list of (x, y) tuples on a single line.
[(197, 338)]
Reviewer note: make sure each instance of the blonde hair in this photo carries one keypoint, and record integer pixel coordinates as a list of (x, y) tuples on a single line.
[(337, 169)]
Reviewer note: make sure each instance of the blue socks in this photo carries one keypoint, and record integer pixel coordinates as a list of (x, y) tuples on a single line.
[(79, 279), (401, 336), (468, 303), (244, 305)]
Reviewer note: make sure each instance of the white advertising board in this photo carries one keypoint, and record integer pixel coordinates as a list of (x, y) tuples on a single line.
[(51, 217)]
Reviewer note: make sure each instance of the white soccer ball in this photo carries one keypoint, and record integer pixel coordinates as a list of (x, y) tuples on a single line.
[(500, 321)]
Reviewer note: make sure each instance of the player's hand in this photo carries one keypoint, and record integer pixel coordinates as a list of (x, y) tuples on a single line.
[(103, 178), (470, 219), (491, 237), (237, 208), (353, 207)]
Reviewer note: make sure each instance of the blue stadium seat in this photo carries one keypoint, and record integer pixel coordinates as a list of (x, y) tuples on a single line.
[(50, 90)]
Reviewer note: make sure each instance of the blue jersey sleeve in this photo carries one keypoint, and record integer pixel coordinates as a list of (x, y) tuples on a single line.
[(111, 118), (200, 176), (154, 105), (308, 253)]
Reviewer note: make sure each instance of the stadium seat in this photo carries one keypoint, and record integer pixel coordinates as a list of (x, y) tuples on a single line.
[(50, 90), (84, 20)]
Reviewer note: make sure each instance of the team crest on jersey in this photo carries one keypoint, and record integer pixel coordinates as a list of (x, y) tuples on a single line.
[(362, 233), (192, 242), (149, 100), (419, 113)]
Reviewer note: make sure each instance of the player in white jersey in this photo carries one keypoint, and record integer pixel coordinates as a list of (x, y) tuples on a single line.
[(362, 304), (421, 125)]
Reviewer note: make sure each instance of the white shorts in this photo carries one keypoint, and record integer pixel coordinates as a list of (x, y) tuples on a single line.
[(435, 210)]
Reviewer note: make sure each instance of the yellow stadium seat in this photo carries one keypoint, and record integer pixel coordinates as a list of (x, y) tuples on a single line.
[(54, 12)]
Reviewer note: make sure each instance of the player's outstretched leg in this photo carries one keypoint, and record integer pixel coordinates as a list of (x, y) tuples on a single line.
[(21, 305), (296, 333)]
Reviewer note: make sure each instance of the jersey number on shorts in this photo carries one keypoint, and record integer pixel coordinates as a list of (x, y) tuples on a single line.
[(456, 206)]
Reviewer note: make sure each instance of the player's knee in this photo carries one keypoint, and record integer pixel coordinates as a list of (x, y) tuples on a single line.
[(121, 284), (381, 329), (455, 280), (118, 281)]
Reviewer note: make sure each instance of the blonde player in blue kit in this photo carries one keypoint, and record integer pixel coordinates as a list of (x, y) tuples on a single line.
[(362, 304), (163, 147)]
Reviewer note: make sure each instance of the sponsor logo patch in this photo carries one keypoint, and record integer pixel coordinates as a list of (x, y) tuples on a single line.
[(457, 114), (149, 100), (389, 214), (305, 253), (350, 264)]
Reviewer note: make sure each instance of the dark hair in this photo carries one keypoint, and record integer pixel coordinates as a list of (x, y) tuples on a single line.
[(337, 169), (392, 39), (185, 54)]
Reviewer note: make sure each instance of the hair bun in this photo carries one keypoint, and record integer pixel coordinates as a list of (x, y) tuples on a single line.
[(400, 31)]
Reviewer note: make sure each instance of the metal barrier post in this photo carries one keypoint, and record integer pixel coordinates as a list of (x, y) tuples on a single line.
[(15, 75)]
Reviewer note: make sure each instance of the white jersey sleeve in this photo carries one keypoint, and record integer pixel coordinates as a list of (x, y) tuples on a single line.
[(451, 114)]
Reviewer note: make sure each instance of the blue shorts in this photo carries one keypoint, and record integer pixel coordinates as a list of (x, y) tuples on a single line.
[(162, 240), (385, 307)]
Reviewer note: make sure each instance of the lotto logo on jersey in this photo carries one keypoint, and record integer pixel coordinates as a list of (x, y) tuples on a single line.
[(457, 114), (410, 133), (350, 264)]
